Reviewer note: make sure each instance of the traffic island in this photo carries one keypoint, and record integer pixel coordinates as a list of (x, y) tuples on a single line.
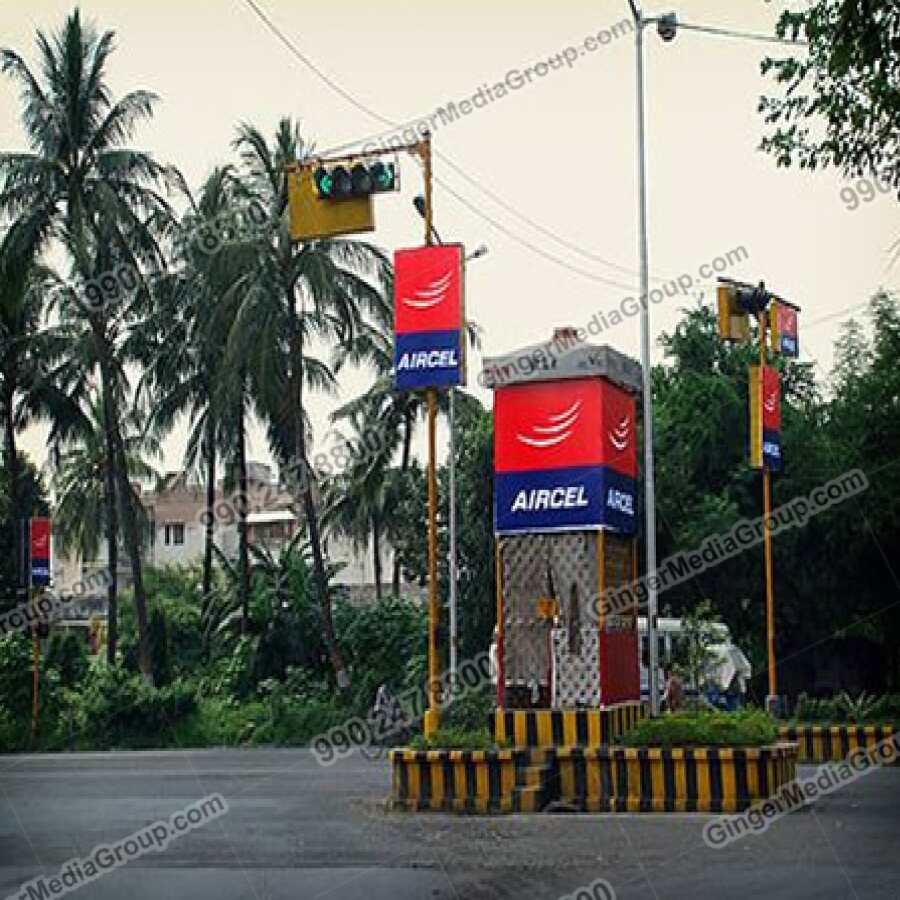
[(549, 728), (470, 781), (676, 779), (834, 743), (590, 779)]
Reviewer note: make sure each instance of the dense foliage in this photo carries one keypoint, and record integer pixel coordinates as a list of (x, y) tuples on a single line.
[(221, 319), (751, 728), (840, 100), (837, 624)]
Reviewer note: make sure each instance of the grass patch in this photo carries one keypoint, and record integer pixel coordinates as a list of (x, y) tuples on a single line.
[(455, 739), (751, 728)]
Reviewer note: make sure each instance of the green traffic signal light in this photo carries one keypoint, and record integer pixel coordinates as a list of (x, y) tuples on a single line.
[(324, 182), (359, 180), (383, 176)]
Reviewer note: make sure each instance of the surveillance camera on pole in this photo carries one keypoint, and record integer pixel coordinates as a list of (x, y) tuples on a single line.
[(666, 26)]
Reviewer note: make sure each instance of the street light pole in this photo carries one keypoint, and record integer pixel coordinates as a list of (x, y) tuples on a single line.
[(452, 548), (477, 253), (649, 480)]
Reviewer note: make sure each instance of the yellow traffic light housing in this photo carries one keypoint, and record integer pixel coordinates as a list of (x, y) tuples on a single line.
[(312, 216), (734, 322)]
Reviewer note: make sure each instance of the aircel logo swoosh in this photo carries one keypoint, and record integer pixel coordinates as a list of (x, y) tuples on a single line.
[(618, 437), (431, 294), (559, 428), (771, 402)]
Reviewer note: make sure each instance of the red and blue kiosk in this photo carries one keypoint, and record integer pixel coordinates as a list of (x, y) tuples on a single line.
[(565, 522)]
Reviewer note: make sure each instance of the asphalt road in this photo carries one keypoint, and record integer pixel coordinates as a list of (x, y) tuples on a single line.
[(296, 831)]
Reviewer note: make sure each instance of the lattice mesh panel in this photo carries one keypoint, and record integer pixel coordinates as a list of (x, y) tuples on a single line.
[(541, 566), (576, 676), (525, 637)]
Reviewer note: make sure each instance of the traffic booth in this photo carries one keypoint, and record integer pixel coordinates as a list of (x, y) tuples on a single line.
[(565, 521)]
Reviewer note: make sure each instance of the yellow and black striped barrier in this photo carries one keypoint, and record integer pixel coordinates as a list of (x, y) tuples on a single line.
[(483, 781), (833, 743), (647, 779), (548, 728)]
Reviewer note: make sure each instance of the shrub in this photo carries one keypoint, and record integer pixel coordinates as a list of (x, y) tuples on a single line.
[(455, 739), (68, 654), (117, 708), (218, 722), (378, 641), (843, 708), (471, 710), (15, 674), (16, 685), (297, 710), (751, 727)]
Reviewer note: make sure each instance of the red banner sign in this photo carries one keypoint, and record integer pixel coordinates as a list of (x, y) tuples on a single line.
[(39, 543)]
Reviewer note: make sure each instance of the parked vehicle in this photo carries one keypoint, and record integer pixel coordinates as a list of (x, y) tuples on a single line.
[(724, 683)]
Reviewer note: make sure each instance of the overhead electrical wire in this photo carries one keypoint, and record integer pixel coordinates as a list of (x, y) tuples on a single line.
[(393, 126)]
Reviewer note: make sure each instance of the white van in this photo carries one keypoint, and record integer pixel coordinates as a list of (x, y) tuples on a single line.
[(729, 673)]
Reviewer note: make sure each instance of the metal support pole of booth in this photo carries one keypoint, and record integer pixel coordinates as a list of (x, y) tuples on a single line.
[(432, 715), (767, 533)]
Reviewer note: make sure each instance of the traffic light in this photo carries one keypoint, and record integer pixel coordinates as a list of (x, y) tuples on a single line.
[(734, 324), (347, 181), (313, 217), (752, 300)]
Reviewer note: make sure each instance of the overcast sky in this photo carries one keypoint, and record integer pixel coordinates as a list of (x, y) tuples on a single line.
[(558, 150)]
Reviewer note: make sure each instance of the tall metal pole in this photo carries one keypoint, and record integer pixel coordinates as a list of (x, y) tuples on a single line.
[(430, 725), (452, 554), (649, 480), (772, 699), (35, 664)]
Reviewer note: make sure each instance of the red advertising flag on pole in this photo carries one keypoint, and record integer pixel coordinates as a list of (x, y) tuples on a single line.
[(39, 543), (771, 419), (429, 317)]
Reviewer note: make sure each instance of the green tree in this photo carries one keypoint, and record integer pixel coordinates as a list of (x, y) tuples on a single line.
[(20, 321), (693, 652), (320, 290), (840, 99), (185, 344), (79, 182), (81, 513), (32, 496)]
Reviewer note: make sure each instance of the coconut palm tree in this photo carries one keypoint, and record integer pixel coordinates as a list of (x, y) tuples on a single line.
[(79, 183), (80, 489), (319, 291), (20, 322), (389, 411), (186, 347)]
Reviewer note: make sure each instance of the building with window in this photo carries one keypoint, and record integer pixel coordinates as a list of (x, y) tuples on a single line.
[(176, 523)]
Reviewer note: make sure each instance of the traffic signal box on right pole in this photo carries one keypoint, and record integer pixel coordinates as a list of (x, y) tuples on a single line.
[(777, 323)]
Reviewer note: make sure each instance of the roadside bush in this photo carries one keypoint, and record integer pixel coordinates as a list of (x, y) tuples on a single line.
[(16, 685), (117, 708), (68, 654), (471, 710), (15, 674), (218, 722), (844, 708), (296, 710), (231, 675), (378, 641), (455, 739), (751, 728)]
